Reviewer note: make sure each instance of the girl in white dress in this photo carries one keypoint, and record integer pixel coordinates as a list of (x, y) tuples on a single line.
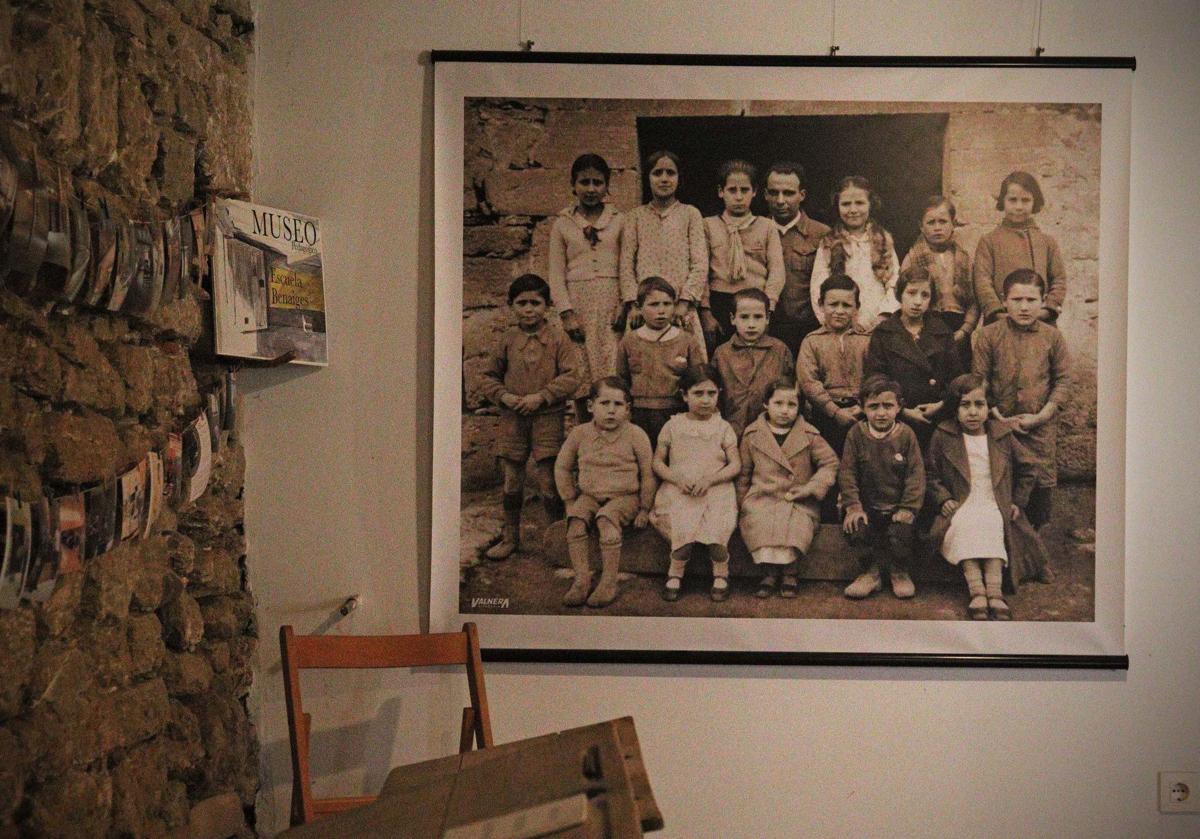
[(979, 473), (697, 460)]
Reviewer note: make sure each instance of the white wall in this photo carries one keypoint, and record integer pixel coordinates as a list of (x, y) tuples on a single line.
[(337, 491)]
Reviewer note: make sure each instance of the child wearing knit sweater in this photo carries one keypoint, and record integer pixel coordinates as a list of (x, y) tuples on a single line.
[(947, 262), (882, 479), (861, 248), (651, 357), (1027, 367), (604, 473), (529, 376), (665, 238), (1017, 242), (750, 361), (585, 246)]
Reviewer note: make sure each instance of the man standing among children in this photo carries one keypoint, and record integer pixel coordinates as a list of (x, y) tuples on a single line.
[(800, 237)]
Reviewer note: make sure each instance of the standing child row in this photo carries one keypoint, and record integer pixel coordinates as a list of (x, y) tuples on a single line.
[(598, 256)]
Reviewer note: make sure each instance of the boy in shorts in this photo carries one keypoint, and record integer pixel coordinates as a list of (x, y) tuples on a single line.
[(605, 475), (531, 375)]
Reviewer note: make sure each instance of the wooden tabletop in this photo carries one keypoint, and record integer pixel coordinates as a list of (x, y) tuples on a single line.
[(423, 800)]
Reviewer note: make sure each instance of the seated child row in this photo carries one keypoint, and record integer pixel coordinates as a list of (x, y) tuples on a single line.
[(604, 471)]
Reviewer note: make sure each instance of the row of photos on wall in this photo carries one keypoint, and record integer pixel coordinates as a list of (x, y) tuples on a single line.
[(54, 248), (263, 264), (54, 534)]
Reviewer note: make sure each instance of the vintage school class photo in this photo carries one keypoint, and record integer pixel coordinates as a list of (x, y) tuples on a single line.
[(816, 361)]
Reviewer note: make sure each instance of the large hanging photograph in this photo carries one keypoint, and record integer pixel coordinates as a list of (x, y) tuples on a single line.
[(780, 364)]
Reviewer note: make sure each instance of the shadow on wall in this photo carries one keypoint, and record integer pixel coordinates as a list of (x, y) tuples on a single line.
[(339, 756), (251, 380)]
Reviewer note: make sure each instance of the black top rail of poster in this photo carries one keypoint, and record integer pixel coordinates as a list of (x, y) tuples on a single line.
[(710, 60), (799, 659)]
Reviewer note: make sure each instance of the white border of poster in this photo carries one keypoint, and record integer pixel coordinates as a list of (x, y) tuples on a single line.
[(599, 637)]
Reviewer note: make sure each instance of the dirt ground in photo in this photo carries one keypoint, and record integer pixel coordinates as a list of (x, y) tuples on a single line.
[(526, 583)]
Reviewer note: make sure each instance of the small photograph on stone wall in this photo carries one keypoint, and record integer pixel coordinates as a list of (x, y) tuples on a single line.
[(197, 457), (772, 360), (174, 477), (154, 492), (213, 416), (17, 539), (43, 554), (69, 519), (101, 506), (133, 498)]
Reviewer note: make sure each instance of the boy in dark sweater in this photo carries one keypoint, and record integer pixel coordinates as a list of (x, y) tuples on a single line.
[(882, 481), (751, 361)]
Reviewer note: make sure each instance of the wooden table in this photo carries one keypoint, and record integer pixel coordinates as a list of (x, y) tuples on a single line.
[(423, 800)]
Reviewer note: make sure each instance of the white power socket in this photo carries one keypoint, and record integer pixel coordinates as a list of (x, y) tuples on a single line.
[(1179, 792)]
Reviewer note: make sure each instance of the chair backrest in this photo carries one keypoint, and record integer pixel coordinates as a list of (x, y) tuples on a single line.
[(303, 652)]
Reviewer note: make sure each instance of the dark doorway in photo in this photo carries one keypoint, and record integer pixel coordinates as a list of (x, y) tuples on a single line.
[(900, 154)]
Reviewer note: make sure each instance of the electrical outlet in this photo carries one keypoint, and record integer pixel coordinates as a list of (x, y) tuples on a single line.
[(1179, 792)]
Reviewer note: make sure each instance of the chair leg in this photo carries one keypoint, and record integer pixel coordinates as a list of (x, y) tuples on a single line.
[(467, 732)]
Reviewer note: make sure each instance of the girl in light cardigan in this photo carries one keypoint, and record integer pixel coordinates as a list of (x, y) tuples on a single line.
[(585, 288), (665, 238)]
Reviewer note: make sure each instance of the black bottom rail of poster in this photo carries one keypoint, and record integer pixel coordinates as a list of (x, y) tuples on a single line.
[(812, 659)]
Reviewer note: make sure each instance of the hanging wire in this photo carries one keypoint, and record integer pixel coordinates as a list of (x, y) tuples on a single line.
[(833, 44), (1038, 49), (524, 44)]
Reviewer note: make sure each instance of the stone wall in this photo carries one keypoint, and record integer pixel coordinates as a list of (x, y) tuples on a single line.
[(518, 155), (122, 705)]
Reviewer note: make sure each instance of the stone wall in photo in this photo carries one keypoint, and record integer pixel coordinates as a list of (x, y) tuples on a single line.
[(122, 704), (517, 160)]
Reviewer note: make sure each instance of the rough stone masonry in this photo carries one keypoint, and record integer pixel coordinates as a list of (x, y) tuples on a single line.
[(123, 698)]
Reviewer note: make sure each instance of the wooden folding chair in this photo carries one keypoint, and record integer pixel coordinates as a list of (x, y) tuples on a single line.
[(301, 652)]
